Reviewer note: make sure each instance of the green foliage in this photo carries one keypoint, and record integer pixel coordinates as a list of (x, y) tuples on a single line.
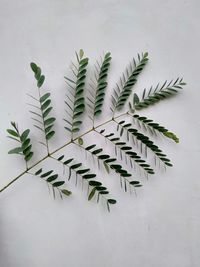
[(52, 180), (154, 95), (97, 92), (127, 128), (153, 127), (24, 148), (41, 113), (130, 137), (38, 75), (107, 162), (128, 152), (94, 186), (75, 96), (127, 81)]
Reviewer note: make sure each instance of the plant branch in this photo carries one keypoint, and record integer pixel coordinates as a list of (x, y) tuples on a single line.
[(56, 150)]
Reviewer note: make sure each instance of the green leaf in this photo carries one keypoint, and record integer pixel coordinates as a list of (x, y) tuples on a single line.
[(67, 161), (34, 67), (25, 144), (134, 182), (59, 183), (127, 81), (50, 135), (81, 53), (47, 111), (92, 193), (29, 156), (49, 121), (136, 99), (38, 172), (52, 178), (44, 97), (27, 150), (83, 171), (66, 192), (46, 174), (41, 81), (89, 176), (100, 188), (46, 104), (90, 147), (112, 201), (12, 132), (61, 157), (94, 183), (80, 141), (97, 151), (24, 135), (75, 166)]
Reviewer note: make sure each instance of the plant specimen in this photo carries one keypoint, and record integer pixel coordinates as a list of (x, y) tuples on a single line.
[(130, 138)]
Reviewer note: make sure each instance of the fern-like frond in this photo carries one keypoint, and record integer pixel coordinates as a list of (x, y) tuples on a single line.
[(154, 95), (75, 96), (127, 150), (25, 147), (153, 127), (125, 140), (97, 91), (127, 81), (94, 186), (41, 116), (111, 163), (52, 180), (138, 136)]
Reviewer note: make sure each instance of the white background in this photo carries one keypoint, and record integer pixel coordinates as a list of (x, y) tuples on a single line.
[(159, 228)]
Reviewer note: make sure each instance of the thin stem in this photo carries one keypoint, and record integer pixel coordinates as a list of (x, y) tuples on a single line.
[(56, 150), (11, 182)]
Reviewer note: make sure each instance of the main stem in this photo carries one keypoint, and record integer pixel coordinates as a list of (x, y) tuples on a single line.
[(58, 149)]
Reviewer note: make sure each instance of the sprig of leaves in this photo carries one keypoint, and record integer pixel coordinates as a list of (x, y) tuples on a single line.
[(111, 163), (75, 103), (52, 180), (128, 151), (98, 87), (153, 127), (75, 96), (41, 116), (88, 177), (129, 130), (127, 81), (154, 95), (25, 146)]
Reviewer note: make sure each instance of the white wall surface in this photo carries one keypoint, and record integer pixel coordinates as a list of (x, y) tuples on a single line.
[(159, 228)]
